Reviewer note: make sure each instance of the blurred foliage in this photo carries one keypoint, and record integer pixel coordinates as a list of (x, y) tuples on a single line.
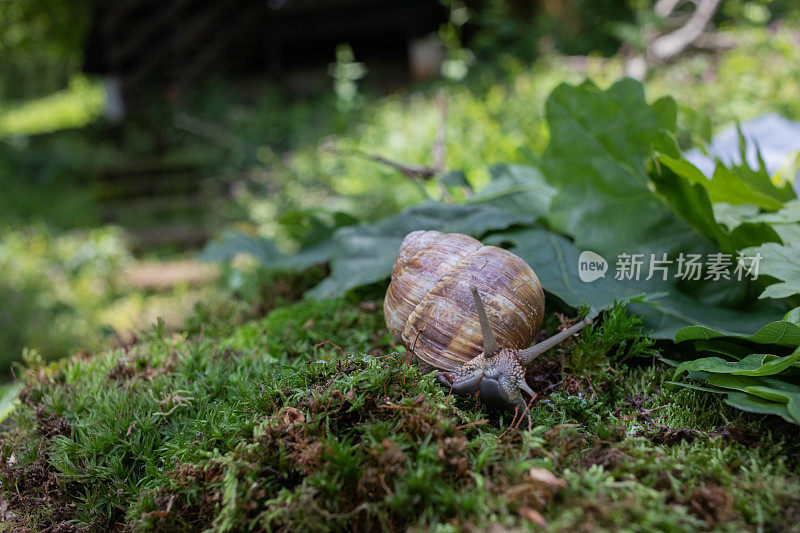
[(489, 120), (759, 74), (65, 293), (39, 183), (40, 46), (757, 12), (55, 289), (346, 71), (81, 103), (523, 29), (271, 152)]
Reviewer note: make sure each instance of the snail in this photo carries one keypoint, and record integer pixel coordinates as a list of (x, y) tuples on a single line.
[(469, 311)]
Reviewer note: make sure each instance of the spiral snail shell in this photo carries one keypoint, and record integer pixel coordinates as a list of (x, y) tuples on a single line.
[(429, 302), (469, 311)]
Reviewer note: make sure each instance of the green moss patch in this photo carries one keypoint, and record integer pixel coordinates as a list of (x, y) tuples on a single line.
[(266, 429)]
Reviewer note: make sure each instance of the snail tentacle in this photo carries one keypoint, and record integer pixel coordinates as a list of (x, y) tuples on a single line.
[(490, 346), (526, 356)]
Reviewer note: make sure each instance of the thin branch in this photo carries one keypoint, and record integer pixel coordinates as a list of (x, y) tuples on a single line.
[(412, 172), (664, 7), (213, 132), (672, 44), (439, 149), (409, 171)]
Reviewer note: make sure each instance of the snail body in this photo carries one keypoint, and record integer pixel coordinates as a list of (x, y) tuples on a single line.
[(469, 311)]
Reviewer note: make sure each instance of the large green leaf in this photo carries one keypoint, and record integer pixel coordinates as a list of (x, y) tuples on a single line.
[(785, 222), (746, 401), (692, 203), (754, 404), (741, 383), (781, 262), (600, 143), (725, 185), (666, 310), (555, 261), (517, 189), (365, 254), (752, 365), (780, 332)]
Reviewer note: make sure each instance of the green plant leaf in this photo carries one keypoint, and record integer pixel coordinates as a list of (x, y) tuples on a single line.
[(788, 214), (9, 399), (555, 261), (785, 222), (772, 389), (365, 254), (741, 383), (756, 394), (724, 186), (790, 398), (753, 365), (781, 262), (759, 179), (232, 243), (666, 310), (517, 189), (793, 316), (691, 202), (754, 404), (600, 143), (779, 332)]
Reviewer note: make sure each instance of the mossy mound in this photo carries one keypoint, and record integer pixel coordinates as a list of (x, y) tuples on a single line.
[(263, 429)]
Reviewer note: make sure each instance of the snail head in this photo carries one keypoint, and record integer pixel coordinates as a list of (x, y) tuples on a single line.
[(497, 376)]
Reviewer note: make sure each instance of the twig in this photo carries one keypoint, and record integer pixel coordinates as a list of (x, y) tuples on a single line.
[(439, 150), (413, 172), (330, 342), (476, 423), (409, 171), (664, 7), (392, 406), (408, 359), (673, 43), (212, 132), (516, 412)]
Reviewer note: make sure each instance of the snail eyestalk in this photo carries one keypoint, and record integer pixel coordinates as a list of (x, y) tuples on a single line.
[(529, 354), (490, 346)]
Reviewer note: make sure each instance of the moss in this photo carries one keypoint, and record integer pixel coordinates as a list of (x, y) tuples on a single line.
[(261, 428)]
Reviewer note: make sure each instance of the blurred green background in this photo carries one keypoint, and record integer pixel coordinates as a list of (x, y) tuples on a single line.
[(102, 213)]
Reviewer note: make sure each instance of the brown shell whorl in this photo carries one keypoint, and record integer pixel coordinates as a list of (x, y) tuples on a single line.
[(424, 258), (429, 298)]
